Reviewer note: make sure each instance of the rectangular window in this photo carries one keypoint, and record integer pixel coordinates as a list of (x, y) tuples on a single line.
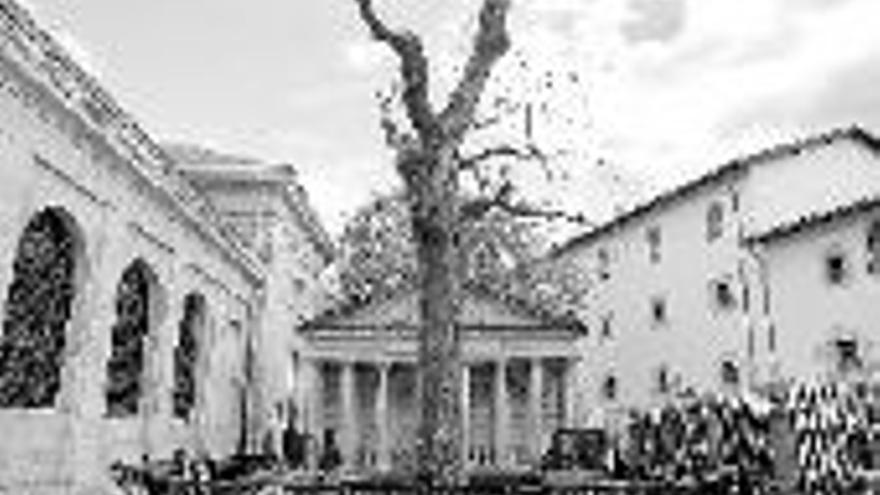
[(604, 261), (655, 240), (607, 322), (836, 267), (721, 295), (663, 379), (714, 221), (659, 311), (609, 388)]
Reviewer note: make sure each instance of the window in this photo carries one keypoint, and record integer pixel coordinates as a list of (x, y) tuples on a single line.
[(721, 294), (609, 388), (873, 246), (729, 373), (836, 267), (714, 221), (663, 384), (134, 300), (771, 338), (186, 355), (39, 303), (604, 260), (847, 354), (659, 314), (654, 239), (607, 322)]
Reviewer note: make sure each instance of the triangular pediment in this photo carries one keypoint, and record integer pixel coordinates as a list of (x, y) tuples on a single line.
[(402, 310)]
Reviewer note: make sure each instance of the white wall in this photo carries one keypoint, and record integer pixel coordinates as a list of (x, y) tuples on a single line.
[(808, 311)]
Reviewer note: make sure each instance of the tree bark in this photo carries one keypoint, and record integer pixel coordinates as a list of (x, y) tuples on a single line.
[(437, 233), (428, 164)]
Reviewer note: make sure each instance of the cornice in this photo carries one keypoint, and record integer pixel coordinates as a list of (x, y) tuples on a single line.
[(41, 61)]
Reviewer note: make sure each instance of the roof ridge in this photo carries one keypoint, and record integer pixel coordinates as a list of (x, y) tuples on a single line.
[(851, 131)]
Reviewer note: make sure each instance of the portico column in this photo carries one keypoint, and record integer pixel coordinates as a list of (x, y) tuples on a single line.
[(382, 418), (536, 387), (569, 381), (311, 398), (465, 413), (349, 428), (502, 414)]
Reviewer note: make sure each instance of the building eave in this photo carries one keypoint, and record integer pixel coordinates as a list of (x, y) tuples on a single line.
[(40, 62), (728, 169)]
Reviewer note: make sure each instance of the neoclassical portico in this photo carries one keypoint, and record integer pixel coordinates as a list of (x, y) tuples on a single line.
[(516, 376)]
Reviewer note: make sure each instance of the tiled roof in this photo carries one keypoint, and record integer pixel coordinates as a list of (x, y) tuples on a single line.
[(733, 167), (811, 221)]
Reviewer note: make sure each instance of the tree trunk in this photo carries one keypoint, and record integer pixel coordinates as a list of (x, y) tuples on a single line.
[(436, 230)]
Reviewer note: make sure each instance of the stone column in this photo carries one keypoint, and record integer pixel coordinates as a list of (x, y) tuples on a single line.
[(382, 417), (465, 414), (312, 401), (502, 413), (348, 438), (536, 388), (569, 397)]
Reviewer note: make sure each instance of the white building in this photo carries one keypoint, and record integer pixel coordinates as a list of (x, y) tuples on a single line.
[(132, 305), (822, 278), (680, 292), (361, 369)]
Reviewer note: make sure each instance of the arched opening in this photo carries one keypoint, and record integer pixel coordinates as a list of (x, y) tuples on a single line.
[(39, 305), (186, 355), (714, 221), (137, 312)]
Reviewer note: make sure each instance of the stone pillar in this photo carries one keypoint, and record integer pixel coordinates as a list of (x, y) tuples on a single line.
[(465, 414), (382, 417), (569, 397), (348, 437), (502, 413), (536, 389), (312, 402)]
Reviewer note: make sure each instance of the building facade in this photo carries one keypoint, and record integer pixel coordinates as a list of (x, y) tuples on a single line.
[(361, 376), (677, 297), (270, 211), (135, 314), (821, 274)]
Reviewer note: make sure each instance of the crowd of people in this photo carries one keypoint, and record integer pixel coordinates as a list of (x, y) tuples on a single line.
[(816, 438), (700, 440), (831, 434)]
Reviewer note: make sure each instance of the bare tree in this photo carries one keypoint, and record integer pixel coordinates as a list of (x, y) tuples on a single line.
[(430, 160)]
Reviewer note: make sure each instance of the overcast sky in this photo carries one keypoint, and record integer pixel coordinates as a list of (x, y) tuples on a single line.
[(668, 88)]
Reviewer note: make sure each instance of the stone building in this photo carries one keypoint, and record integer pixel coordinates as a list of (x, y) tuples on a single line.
[(695, 290), (269, 209), (137, 316), (359, 379)]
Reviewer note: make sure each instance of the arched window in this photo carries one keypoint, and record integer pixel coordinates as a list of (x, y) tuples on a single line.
[(873, 246), (186, 354), (38, 307), (714, 221), (135, 300)]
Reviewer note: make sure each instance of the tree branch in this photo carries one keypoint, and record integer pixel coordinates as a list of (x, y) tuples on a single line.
[(490, 44), (528, 153), (502, 200), (413, 69)]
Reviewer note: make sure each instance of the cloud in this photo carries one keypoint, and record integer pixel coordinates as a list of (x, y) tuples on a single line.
[(731, 76), (654, 20)]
